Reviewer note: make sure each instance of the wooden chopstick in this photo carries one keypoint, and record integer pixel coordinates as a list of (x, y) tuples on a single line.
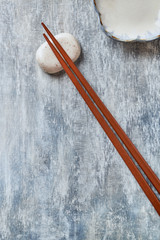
[(125, 156), (117, 128)]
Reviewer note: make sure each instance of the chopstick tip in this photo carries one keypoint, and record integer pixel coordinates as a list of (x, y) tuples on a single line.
[(44, 35)]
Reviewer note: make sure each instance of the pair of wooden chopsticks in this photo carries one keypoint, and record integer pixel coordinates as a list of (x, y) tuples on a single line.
[(98, 108)]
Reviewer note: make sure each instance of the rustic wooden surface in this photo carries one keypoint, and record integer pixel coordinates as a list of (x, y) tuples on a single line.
[(60, 177)]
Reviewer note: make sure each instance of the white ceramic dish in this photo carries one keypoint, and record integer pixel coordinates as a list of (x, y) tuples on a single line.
[(130, 20)]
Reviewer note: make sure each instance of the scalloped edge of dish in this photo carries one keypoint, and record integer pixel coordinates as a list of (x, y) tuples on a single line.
[(109, 34)]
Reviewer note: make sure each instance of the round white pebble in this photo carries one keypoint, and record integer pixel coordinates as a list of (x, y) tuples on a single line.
[(46, 58)]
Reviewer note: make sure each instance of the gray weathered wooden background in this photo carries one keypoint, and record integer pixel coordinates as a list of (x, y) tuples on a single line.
[(60, 177)]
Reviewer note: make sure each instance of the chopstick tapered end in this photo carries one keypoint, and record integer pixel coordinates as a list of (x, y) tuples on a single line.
[(44, 26), (44, 35)]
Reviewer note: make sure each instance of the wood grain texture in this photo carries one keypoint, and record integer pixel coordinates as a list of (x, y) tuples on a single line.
[(60, 177)]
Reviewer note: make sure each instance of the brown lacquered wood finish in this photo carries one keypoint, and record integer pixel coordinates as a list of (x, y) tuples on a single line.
[(73, 72)]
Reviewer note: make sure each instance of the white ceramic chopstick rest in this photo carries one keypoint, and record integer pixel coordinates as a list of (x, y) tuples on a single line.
[(46, 59)]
